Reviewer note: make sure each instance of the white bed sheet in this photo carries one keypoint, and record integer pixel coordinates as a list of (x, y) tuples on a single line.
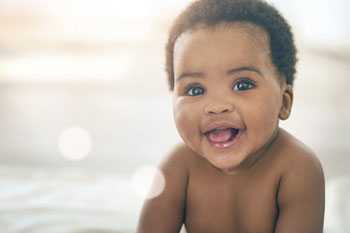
[(34, 200), (73, 200)]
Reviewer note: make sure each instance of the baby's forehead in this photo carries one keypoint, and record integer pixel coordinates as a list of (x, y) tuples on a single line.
[(250, 32), (223, 47), (239, 40), (254, 30)]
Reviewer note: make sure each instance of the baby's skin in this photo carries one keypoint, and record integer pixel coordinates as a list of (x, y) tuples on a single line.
[(237, 170)]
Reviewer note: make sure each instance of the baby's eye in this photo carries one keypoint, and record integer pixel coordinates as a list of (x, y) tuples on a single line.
[(194, 91), (244, 84)]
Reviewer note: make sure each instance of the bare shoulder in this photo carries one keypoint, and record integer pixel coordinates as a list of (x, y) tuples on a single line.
[(297, 156), (179, 158), (166, 212), (301, 192), (175, 167)]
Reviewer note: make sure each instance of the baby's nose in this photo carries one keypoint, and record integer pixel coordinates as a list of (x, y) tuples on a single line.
[(218, 108)]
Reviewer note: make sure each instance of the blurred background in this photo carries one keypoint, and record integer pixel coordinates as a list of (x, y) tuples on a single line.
[(85, 112)]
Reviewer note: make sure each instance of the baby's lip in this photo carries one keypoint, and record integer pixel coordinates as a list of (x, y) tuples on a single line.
[(220, 125)]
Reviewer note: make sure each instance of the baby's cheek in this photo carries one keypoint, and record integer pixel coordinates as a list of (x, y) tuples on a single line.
[(186, 122), (270, 121), (263, 120)]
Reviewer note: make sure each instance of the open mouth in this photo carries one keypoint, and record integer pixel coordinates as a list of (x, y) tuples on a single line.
[(222, 137)]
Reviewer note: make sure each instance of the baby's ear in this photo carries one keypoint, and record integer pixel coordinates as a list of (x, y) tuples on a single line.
[(287, 102)]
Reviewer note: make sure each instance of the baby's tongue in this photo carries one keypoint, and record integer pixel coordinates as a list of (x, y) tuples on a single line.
[(220, 135)]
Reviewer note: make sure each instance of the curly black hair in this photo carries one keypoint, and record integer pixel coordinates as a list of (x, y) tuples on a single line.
[(258, 12)]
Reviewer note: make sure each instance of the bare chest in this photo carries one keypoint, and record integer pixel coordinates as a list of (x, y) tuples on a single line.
[(231, 205)]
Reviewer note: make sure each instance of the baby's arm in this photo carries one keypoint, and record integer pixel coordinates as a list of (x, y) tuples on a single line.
[(165, 213), (301, 197)]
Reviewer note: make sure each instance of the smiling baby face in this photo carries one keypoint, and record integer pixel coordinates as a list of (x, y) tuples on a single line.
[(228, 96)]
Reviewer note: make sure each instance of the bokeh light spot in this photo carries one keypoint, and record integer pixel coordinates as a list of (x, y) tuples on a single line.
[(148, 182), (75, 143)]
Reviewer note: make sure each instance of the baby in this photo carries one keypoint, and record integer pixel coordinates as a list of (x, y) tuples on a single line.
[(231, 66)]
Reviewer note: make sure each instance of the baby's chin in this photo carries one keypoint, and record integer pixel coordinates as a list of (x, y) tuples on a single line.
[(227, 163), (228, 160)]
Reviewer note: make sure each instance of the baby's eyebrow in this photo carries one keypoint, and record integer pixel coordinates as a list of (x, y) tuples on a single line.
[(189, 74), (229, 72), (244, 68)]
